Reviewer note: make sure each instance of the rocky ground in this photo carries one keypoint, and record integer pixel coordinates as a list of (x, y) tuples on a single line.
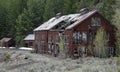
[(24, 61)]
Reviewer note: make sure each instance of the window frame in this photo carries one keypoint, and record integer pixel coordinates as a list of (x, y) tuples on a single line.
[(95, 21)]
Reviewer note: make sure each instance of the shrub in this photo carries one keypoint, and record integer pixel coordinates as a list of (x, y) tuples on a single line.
[(116, 22), (100, 43), (7, 57)]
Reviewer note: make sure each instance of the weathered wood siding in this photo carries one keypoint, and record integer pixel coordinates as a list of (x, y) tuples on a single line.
[(30, 41), (81, 27)]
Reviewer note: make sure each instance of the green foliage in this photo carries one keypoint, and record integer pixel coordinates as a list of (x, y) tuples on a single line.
[(61, 44), (29, 19), (24, 26), (116, 22), (85, 4), (106, 8), (100, 43), (36, 8), (19, 17), (49, 10), (69, 6), (13, 10), (7, 57)]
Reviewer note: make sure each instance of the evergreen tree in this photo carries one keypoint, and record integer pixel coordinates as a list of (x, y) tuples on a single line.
[(69, 6), (36, 7), (29, 19), (3, 25), (13, 10), (24, 26), (106, 8), (58, 6), (85, 4), (49, 10), (39, 11)]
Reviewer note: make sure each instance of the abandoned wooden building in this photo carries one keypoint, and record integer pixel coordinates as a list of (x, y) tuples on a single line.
[(29, 41), (7, 42), (78, 30)]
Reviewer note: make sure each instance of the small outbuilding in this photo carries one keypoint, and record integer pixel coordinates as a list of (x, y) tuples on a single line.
[(29, 41), (7, 42)]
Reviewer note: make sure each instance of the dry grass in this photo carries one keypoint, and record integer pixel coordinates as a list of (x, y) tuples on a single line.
[(117, 59), (45, 63)]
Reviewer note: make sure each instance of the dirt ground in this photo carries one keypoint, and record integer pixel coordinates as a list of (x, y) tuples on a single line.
[(25, 61)]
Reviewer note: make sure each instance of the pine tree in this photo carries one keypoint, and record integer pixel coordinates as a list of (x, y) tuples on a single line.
[(85, 4), (13, 10), (3, 25), (107, 9), (36, 7), (24, 26), (58, 6), (69, 6), (49, 10), (42, 10), (29, 19)]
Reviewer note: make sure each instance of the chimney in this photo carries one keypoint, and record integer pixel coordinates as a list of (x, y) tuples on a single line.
[(84, 11), (58, 15)]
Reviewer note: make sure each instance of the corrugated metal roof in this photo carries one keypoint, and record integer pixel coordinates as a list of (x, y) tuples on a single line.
[(30, 37), (71, 17), (54, 21), (81, 18)]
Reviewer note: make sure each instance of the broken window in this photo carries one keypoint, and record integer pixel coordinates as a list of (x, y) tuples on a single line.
[(49, 39), (56, 50), (42, 47), (77, 38), (57, 39), (66, 50), (42, 37), (84, 36), (30, 44), (95, 21), (76, 52), (50, 48), (66, 38), (111, 51), (26, 44), (74, 38)]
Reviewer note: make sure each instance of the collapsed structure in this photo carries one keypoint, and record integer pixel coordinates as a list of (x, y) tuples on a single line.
[(78, 31)]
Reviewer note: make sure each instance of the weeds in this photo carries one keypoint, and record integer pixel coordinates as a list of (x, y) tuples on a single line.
[(7, 57)]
